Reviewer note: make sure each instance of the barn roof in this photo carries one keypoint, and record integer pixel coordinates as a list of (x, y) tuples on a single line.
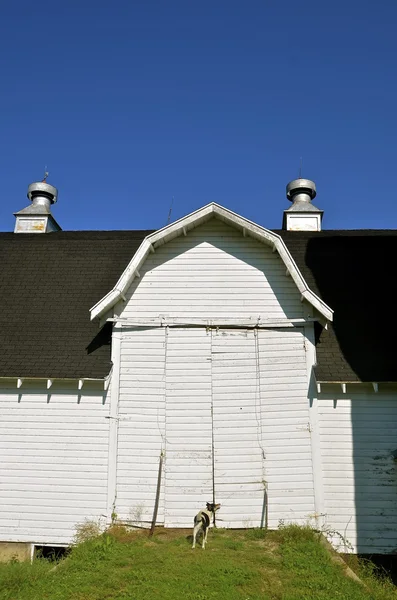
[(354, 272), (49, 283)]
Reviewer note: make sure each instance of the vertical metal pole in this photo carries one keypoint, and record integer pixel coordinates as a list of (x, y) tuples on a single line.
[(156, 504), (265, 507)]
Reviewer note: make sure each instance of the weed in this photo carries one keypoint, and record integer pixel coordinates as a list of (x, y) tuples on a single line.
[(233, 544), (87, 530), (136, 513), (294, 533), (255, 534), (338, 540)]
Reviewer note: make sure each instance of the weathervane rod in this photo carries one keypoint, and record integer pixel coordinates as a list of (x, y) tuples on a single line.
[(300, 169), (170, 211)]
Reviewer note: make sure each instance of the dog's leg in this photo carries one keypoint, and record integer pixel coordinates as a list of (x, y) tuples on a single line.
[(196, 529), (205, 533)]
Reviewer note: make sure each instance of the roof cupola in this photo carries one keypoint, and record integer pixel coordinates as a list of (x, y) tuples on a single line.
[(37, 217), (302, 215)]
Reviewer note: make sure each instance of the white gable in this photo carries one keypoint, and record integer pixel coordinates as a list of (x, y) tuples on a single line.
[(181, 228), (213, 273)]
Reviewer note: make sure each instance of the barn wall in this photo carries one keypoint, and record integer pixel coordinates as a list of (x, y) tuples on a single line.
[(54, 456), (213, 272), (141, 424), (358, 432), (192, 393)]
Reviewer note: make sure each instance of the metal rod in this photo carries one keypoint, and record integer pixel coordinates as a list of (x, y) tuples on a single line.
[(156, 504), (264, 517)]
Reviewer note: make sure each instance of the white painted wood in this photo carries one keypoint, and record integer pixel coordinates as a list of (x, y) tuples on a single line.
[(358, 434), (248, 425), (241, 424), (303, 221), (193, 221), (314, 424), (188, 436), (171, 383), (113, 426), (213, 273), (287, 445), (141, 425), (53, 472)]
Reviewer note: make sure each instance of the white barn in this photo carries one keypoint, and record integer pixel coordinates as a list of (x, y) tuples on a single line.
[(211, 360)]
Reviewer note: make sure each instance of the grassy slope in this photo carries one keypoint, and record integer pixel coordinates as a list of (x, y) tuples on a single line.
[(288, 565)]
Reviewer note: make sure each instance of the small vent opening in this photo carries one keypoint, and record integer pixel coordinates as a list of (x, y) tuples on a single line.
[(51, 553)]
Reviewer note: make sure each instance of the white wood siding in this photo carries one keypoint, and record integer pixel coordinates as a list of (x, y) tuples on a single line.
[(141, 435), (238, 396), (358, 434), (238, 443), (165, 405), (188, 425), (213, 272), (173, 380), (261, 427), (285, 425), (54, 455)]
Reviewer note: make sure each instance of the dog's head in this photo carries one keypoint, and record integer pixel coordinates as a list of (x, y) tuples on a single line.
[(213, 507)]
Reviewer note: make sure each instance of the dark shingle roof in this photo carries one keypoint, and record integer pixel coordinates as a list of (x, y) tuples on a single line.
[(49, 282), (354, 273)]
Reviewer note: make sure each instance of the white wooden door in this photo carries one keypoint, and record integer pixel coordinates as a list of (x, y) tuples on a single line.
[(141, 424), (188, 428), (285, 425), (238, 445)]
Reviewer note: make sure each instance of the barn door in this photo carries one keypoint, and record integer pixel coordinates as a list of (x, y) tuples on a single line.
[(238, 452), (188, 463), (236, 413)]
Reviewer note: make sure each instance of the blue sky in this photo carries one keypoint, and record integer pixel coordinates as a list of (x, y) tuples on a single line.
[(131, 103)]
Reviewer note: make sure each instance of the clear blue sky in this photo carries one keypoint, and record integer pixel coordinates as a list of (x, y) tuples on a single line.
[(130, 103)]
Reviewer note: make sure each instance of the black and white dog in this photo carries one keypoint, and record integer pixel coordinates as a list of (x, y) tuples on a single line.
[(202, 522)]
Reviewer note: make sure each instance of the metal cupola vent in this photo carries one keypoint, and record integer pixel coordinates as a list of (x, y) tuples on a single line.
[(37, 217), (302, 215)]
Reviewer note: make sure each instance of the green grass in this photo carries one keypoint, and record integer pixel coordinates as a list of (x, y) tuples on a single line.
[(289, 564)]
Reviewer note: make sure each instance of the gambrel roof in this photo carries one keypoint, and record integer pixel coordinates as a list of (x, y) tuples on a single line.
[(186, 224), (49, 283)]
